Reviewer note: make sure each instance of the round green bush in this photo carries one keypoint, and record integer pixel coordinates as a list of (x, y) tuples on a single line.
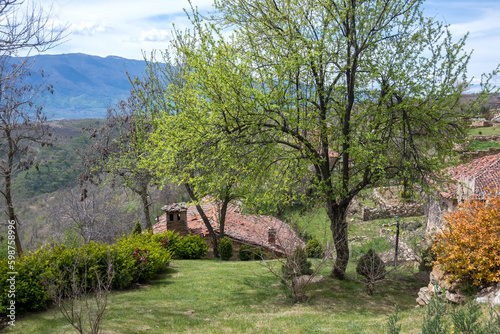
[(314, 249), (245, 253), (191, 247), (225, 249)]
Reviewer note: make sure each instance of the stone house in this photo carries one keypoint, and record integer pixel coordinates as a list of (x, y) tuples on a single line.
[(470, 180), (261, 232)]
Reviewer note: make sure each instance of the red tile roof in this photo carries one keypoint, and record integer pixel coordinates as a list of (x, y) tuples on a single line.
[(244, 228), (475, 178)]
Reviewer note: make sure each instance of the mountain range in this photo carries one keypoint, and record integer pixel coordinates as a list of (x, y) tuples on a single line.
[(85, 86)]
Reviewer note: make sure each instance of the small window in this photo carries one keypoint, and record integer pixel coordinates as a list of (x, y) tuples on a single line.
[(171, 217), (178, 216)]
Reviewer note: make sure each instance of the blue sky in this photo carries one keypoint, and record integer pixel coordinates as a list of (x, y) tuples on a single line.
[(126, 28)]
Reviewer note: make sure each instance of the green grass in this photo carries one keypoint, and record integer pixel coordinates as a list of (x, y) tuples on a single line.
[(241, 297), (482, 145), (492, 130)]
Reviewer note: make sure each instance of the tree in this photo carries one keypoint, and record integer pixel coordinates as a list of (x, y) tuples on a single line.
[(100, 216), (117, 150), (351, 93), (185, 145), (22, 125)]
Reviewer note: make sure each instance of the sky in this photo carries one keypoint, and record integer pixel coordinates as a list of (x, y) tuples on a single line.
[(128, 28)]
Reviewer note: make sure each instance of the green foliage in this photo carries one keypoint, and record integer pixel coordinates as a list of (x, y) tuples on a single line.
[(191, 247), (135, 258), (434, 320), (137, 228), (427, 259), (392, 322), (297, 264), (245, 253), (225, 248), (30, 294), (58, 168), (314, 249), (371, 266), (466, 319), (138, 258), (259, 254), (167, 240)]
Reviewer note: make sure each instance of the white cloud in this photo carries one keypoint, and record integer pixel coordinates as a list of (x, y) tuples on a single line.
[(154, 35), (88, 28)]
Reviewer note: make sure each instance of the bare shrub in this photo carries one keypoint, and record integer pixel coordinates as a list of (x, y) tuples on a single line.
[(81, 299), (294, 271), (370, 265)]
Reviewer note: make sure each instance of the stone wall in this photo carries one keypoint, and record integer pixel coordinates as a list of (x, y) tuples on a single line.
[(485, 138), (468, 156), (391, 211)]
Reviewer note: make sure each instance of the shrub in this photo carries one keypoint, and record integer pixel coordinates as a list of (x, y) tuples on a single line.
[(468, 247), (137, 228), (168, 240), (297, 264), (427, 258), (191, 247), (372, 268), (138, 258), (225, 249), (314, 249), (30, 294), (135, 258), (245, 253)]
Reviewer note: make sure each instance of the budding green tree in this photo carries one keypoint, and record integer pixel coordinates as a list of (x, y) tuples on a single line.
[(349, 93)]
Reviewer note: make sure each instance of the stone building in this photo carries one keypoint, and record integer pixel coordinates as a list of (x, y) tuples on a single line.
[(472, 180), (263, 232)]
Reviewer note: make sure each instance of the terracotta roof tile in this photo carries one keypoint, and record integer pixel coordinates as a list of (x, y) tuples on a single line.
[(250, 229), (474, 178)]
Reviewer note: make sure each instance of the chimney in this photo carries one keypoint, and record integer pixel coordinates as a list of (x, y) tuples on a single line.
[(176, 217), (271, 236)]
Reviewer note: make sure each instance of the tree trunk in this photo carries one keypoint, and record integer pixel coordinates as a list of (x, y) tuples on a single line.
[(145, 207), (338, 225), (204, 217), (222, 218), (11, 214)]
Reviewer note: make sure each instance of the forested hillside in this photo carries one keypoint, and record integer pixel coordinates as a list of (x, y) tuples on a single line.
[(84, 86)]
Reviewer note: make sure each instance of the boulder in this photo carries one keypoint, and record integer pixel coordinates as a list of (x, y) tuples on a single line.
[(489, 295)]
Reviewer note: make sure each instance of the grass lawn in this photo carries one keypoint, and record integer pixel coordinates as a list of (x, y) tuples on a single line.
[(242, 297), (492, 130)]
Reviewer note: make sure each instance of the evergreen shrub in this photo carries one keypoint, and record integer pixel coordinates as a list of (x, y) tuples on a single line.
[(225, 249), (314, 249), (245, 253)]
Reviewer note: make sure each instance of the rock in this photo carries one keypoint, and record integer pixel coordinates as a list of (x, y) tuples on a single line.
[(424, 295), (489, 295), (457, 298), (301, 280)]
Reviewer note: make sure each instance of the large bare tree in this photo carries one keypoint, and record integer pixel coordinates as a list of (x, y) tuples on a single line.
[(25, 31)]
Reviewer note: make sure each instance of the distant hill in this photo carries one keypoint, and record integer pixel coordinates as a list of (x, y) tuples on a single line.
[(85, 86)]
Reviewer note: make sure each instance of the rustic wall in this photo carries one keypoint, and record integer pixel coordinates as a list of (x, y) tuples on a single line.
[(403, 210), (468, 156)]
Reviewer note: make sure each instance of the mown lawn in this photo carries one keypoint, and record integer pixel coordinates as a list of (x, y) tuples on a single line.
[(488, 131), (241, 297)]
